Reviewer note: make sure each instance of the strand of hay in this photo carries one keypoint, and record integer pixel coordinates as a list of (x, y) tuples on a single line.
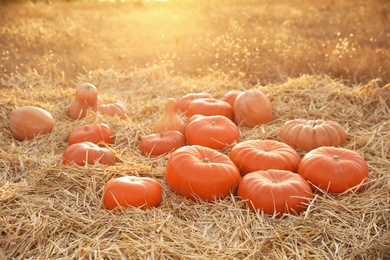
[(54, 211)]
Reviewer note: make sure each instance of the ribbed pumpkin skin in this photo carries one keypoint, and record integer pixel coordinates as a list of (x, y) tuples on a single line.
[(199, 172), (100, 134), (183, 102), (114, 109), (210, 107), (334, 169), (87, 153), (132, 191), (254, 155), (215, 132), (275, 192), (161, 143), (310, 134), (30, 121), (252, 108)]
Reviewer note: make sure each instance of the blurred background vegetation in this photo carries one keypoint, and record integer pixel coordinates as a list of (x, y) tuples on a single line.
[(258, 41)]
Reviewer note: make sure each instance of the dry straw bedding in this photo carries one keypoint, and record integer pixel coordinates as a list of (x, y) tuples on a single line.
[(53, 211)]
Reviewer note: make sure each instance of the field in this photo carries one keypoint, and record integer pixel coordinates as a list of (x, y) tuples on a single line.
[(313, 59)]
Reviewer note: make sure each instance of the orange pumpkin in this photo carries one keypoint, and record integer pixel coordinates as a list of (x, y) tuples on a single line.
[(309, 134), (115, 109), (334, 169), (252, 108), (87, 153), (230, 96), (216, 132), (86, 98), (199, 172), (100, 134), (210, 107), (254, 155), (161, 143), (183, 102), (275, 192), (30, 121), (169, 120), (132, 191)]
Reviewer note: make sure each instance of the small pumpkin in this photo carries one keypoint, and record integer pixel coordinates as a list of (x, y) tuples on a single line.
[(86, 98), (275, 192), (254, 155), (216, 132), (210, 107), (309, 134), (87, 153), (161, 143), (230, 96), (114, 109), (334, 169), (183, 102), (199, 172), (100, 134), (29, 121), (169, 119), (132, 191), (252, 108)]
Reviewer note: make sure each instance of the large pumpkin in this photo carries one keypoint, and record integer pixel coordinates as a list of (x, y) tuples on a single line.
[(215, 132), (86, 98), (161, 143), (30, 121), (210, 107), (334, 169), (132, 191), (254, 155), (199, 172), (183, 102), (309, 134), (87, 153), (275, 192), (252, 108), (100, 134)]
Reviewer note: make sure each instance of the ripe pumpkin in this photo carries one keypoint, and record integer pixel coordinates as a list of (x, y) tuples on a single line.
[(275, 192), (30, 121), (210, 107), (86, 98), (252, 108), (199, 172), (87, 153), (132, 191), (161, 143), (115, 109), (334, 169), (169, 120), (254, 155), (309, 134), (183, 102), (230, 96), (100, 134), (215, 132)]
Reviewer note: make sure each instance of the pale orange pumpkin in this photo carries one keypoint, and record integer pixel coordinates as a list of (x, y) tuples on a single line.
[(115, 109), (86, 98), (169, 120), (252, 108), (310, 134), (30, 121)]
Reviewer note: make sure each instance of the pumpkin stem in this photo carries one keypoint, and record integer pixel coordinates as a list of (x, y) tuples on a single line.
[(275, 181), (86, 128), (266, 149), (206, 160), (161, 134), (213, 123), (336, 157)]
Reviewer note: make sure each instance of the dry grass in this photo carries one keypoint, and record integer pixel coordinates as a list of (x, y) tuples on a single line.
[(53, 211)]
